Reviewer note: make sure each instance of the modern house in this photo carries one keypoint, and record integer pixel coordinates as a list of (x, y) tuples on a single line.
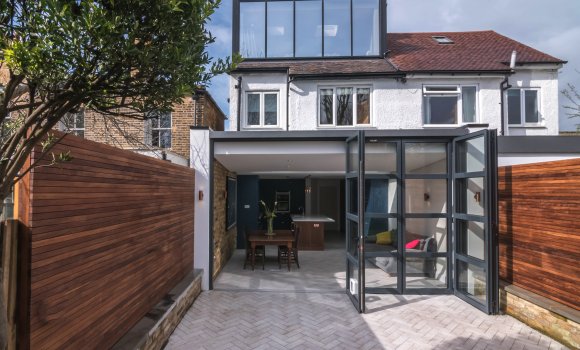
[(391, 135)]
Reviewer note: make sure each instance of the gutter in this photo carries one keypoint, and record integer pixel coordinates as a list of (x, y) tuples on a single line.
[(334, 76), (504, 86), (288, 81)]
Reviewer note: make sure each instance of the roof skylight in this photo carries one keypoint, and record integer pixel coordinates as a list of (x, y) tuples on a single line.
[(442, 39)]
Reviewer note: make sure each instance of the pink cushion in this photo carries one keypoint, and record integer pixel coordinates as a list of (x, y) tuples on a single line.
[(413, 244)]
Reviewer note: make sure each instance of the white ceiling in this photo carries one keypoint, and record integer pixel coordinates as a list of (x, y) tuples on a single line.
[(303, 158)]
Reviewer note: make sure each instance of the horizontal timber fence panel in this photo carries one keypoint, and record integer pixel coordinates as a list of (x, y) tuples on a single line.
[(110, 233), (539, 229)]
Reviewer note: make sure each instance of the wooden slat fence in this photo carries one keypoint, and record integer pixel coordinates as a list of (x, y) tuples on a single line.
[(111, 232), (539, 213)]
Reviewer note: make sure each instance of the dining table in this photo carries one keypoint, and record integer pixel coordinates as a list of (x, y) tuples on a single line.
[(279, 237)]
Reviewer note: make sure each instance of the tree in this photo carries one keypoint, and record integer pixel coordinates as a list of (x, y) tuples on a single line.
[(573, 96), (119, 58)]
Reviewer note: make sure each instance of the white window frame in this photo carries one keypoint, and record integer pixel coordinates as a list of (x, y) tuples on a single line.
[(73, 129), (457, 92), (523, 122), (355, 123), (152, 128), (262, 109)]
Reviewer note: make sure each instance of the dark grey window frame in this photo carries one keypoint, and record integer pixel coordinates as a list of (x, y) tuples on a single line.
[(236, 32), (450, 136)]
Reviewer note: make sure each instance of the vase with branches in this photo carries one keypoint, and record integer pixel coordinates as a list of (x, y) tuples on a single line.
[(269, 215)]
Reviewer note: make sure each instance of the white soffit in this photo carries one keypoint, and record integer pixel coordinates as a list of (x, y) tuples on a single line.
[(320, 158), (282, 158)]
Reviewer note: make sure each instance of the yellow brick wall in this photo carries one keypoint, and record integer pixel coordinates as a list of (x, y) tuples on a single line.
[(131, 133), (224, 240), (560, 328)]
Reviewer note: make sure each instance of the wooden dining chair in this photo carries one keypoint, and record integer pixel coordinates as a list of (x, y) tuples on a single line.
[(292, 254), (260, 252)]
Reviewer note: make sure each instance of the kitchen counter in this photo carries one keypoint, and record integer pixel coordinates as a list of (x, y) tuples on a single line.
[(311, 218), (311, 228)]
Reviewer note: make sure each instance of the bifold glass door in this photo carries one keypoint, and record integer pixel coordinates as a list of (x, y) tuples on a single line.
[(355, 220), (382, 216), (421, 216), (475, 220)]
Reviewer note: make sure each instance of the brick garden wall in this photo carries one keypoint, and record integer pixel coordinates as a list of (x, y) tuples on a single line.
[(224, 240)]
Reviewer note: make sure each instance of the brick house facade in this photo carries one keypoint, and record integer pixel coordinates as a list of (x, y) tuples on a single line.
[(198, 110)]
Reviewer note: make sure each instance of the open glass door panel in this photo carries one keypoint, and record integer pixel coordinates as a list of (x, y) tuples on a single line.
[(355, 220)]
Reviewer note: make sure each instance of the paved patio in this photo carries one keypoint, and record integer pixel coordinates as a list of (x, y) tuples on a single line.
[(308, 309)]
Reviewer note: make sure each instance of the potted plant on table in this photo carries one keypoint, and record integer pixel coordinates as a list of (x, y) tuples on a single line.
[(269, 215)]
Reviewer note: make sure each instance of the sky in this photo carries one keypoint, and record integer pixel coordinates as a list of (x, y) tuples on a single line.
[(551, 26)]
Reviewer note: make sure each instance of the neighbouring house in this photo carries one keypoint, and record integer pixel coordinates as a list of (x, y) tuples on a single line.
[(391, 138), (162, 135)]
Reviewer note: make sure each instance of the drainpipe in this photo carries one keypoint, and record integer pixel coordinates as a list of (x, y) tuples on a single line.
[(503, 87), (239, 87), (288, 81)]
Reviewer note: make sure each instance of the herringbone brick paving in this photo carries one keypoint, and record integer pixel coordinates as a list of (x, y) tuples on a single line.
[(305, 318)]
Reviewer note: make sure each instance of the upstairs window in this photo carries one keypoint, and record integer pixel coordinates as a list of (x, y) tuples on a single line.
[(449, 104), (523, 107), (309, 28), (262, 109), (344, 106), (160, 129), (74, 123)]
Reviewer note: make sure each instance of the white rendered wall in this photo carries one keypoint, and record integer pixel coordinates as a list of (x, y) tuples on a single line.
[(547, 81), (200, 157), (258, 82), (398, 105), (506, 159)]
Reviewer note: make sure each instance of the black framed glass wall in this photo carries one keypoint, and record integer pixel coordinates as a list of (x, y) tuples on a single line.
[(382, 216), (475, 215), (309, 28), (354, 181), (426, 216)]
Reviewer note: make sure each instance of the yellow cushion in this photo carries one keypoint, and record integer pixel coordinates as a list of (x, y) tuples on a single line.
[(385, 237)]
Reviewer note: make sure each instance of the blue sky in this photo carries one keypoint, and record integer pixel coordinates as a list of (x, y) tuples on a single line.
[(550, 26)]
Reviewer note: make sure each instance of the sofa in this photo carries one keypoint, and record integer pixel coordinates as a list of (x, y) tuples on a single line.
[(415, 266)]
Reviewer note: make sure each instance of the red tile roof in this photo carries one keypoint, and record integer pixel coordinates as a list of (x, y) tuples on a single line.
[(482, 51), (471, 51)]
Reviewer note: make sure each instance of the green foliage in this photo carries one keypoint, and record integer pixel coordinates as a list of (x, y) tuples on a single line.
[(116, 57), (151, 53)]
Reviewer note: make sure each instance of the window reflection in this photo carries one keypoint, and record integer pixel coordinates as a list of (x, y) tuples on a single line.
[(280, 29), (309, 28), (344, 106), (252, 29), (365, 29), (337, 28)]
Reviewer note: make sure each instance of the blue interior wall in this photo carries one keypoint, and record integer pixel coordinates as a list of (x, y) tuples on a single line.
[(248, 210), (268, 189)]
